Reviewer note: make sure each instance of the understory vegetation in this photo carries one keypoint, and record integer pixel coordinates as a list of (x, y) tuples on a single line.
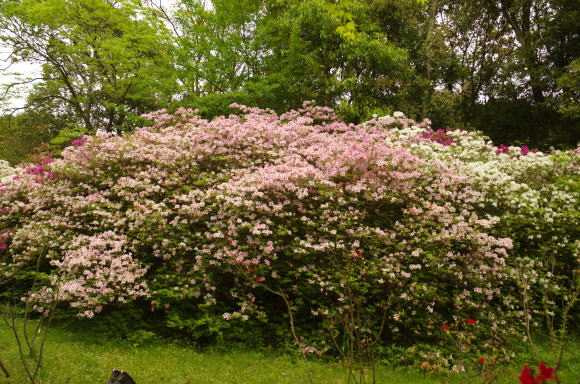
[(78, 354)]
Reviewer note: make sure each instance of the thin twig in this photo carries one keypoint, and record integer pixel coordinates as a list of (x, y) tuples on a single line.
[(12, 326), (563, 328), (4, 369), (527, 319), (291, 319)]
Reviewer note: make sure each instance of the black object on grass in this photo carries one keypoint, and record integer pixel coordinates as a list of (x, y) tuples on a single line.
[(120, 377)]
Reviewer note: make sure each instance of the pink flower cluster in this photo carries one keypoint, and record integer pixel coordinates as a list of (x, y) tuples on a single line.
[(4, 239)]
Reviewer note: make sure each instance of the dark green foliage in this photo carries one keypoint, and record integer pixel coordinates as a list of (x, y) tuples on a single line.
[(518, 122), (23, 134)]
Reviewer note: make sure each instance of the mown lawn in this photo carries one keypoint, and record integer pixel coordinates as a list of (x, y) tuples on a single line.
[(74, 357)]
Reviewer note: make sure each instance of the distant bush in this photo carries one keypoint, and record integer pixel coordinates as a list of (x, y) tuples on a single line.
[(25, 134), (427, 236)]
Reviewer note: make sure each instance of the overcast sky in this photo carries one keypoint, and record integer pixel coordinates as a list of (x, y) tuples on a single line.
[(6, 77)]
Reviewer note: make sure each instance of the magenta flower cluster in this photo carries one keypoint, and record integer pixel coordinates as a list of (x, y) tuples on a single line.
[(524, 150), (79, 142), (439, 136), (40, 171)]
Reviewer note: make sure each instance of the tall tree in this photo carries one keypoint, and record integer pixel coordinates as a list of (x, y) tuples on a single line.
[(512, 53), (105, 60), (216, 52), (279, 53), (216, 45)]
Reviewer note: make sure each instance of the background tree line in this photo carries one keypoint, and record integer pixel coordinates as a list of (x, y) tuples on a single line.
[(507, 67)]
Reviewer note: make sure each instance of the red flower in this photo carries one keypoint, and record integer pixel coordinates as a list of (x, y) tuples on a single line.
[(250, 269), (526, 376), (546, 373), (470, 321), (445, 327), (482, 360)]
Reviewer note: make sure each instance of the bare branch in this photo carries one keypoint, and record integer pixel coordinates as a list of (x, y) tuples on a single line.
[(12, 85)]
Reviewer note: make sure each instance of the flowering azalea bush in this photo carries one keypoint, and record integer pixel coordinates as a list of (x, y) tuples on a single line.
[(6, 171), (212, 222), (535, 197)]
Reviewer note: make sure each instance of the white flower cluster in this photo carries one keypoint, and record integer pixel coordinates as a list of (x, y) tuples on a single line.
[(6, 171), (511, 179)]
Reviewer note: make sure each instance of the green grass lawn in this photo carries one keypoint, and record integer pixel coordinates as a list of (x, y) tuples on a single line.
[(79, 357)]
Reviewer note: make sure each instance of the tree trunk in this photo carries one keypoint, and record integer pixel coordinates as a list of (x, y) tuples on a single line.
[(430, 27), (3, 368)]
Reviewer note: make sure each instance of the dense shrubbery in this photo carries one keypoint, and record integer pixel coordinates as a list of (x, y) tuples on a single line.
[(385, 231)]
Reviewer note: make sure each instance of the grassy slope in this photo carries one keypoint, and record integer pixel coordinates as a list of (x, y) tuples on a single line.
[(79, 358)]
